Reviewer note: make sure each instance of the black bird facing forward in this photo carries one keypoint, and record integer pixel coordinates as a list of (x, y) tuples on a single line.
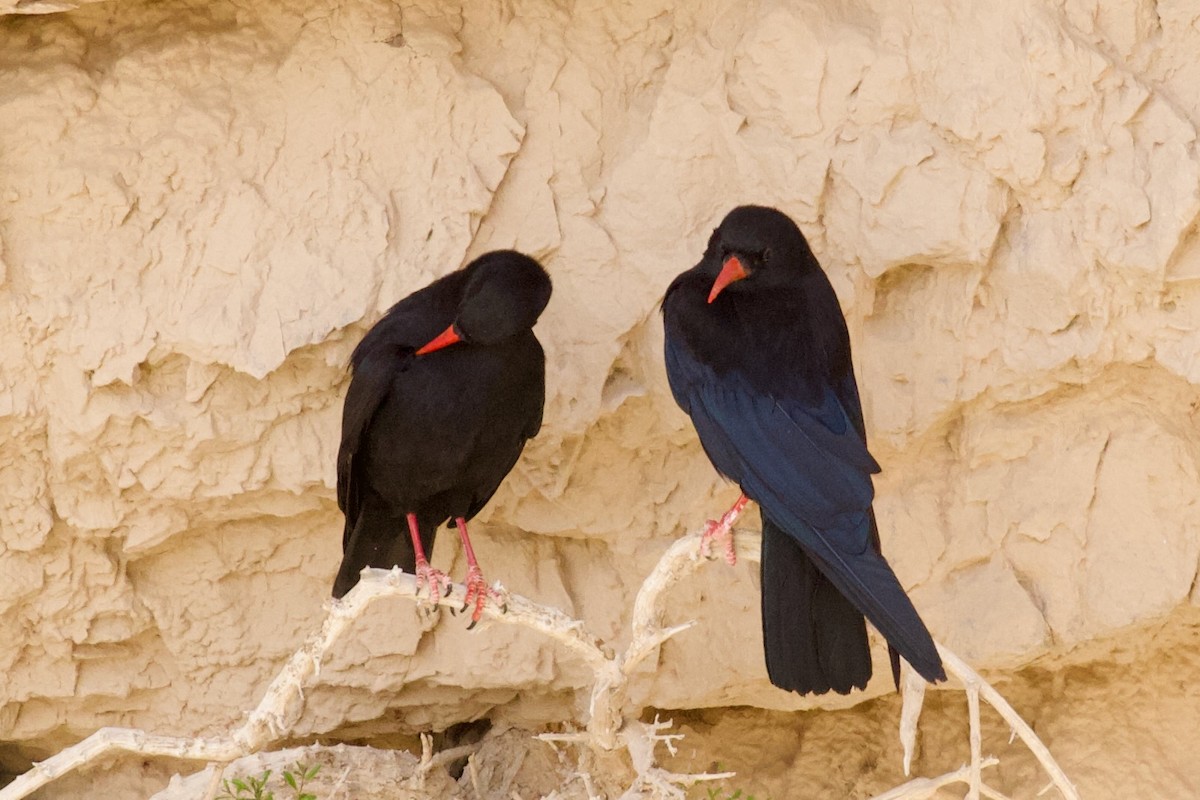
[(758, 355), (446, 389)]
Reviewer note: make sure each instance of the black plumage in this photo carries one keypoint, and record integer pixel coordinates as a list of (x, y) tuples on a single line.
[(758, 354), (446, 389)]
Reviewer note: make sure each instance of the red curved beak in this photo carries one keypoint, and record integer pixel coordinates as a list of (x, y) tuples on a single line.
[(732, 271), (443, 339)]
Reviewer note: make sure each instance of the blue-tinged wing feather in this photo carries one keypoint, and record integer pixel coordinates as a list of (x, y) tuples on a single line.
[(814, 456), (808, 466)]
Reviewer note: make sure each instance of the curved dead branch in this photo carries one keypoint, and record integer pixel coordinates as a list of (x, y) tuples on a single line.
[(611, 723)]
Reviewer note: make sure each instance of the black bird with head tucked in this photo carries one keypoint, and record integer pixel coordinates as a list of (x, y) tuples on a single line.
[(446, 389), (758, 354)]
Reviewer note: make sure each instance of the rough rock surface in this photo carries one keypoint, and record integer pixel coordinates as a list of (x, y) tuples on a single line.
[(204, 204)]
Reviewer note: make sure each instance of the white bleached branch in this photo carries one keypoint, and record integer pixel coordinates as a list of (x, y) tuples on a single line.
[(611, 723)]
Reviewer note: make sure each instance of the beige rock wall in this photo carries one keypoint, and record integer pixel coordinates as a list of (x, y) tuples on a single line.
[(203, 205)]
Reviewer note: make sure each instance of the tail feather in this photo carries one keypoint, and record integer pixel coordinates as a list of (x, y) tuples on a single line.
[(814, 639), (378, 539), (867, 583), (893, 653)]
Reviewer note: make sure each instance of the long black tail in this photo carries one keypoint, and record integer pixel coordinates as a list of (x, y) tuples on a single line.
[(378, 539), (814, 639)]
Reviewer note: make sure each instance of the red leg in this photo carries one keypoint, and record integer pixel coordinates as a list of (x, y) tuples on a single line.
[(722, 529), (437, 580), (477, 588)]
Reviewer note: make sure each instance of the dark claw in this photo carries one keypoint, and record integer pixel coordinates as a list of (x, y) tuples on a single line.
[(472, 625)]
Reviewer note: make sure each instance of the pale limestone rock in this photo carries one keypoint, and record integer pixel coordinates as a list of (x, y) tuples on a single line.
[(203, 205)]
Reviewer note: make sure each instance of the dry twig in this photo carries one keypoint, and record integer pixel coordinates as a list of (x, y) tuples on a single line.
[(975, 687), (611, 723)]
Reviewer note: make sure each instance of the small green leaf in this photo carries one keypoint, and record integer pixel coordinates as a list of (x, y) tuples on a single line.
[(311, 772), (289, 779)]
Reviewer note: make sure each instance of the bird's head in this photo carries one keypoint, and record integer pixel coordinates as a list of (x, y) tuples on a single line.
[(758, 245), (504, 295)]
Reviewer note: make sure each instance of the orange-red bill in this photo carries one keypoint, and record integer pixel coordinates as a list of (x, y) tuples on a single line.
[(732, 271), (443, 339)]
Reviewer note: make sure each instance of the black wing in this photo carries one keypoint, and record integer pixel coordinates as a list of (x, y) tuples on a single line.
[(384, 351), (374, 374), (811, 455), (808, 466)]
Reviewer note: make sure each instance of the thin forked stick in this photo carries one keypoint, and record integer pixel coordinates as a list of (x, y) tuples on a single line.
[(609, 721)]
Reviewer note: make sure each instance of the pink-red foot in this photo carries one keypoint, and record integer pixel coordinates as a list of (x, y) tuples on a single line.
[(478, 592), (720, 531), (438, 582)]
